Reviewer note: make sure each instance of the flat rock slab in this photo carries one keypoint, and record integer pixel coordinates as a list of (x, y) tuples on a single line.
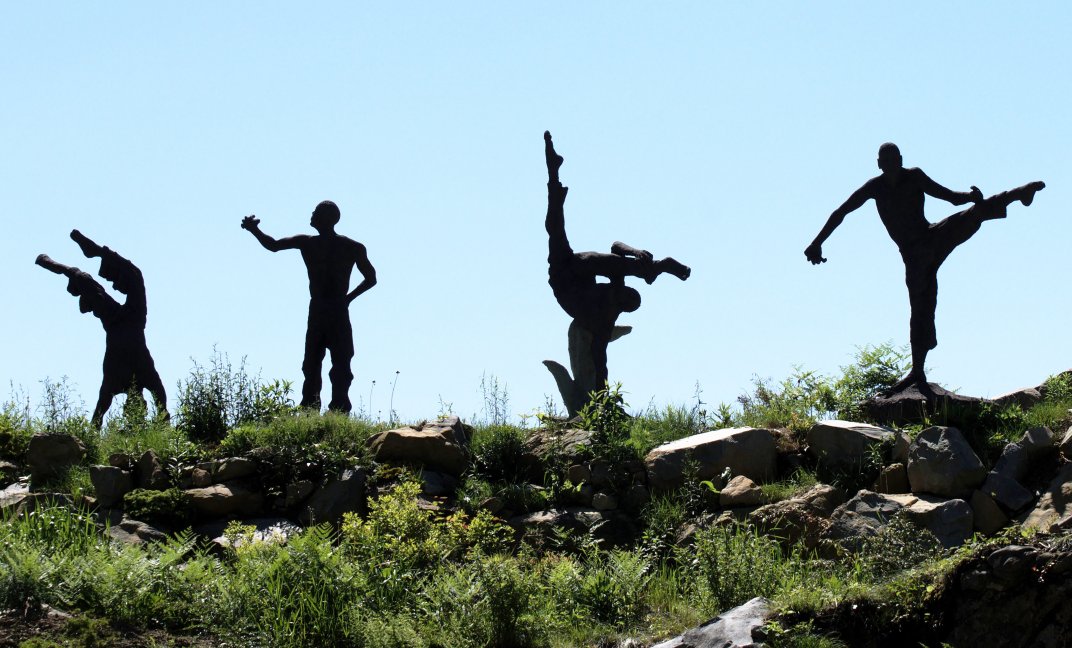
[(846, 444), (731, 629), (744, 451), (916, 403)]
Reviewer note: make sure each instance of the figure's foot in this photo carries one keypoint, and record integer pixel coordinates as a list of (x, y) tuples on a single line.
[(1026, 193), (47, 263), (911, 380), (554, 160), (672, 266), (89, 248)]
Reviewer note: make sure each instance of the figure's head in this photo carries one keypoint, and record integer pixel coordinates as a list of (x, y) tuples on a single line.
[(628, 299), (889, 157), (326, 215)]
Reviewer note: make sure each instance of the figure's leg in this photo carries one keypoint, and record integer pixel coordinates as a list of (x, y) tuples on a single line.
[(922, 282), (313, 363), (341, 347), (104, 401), (614, 266), (150, 380)]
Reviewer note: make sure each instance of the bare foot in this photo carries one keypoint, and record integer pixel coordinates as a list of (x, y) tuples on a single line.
[(554, 160), (911, 380), (1027, 192)]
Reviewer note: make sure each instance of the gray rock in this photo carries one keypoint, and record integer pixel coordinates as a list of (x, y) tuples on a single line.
[(436, 483), (603, 501), (1026, 398), (220, 500), (578, 474), (987, 516), (844, 444), (439, 446), (566, 445), (741, 491), (1012, 564), (1054, 509), (791, 521), (636, 497), (121, 460), (149, 473), (1066, 444), (229, 469), (951, 521), (330, 502), (1018, 459), (893, 479), (110, 484), (600, 473), (942, 463), (744, 451), (49, 455), (297, 492), (731, 629), (136, 532), (1007, 493), (864, 516)]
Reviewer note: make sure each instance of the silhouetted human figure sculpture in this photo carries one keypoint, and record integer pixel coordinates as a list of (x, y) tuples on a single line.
[(593, 305), (329, 259), (127, 362), (899, 194)]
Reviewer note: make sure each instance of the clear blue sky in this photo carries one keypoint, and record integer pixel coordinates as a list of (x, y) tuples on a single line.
[(722, 134)]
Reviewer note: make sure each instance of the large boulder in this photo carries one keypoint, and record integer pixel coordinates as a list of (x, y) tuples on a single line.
[(941, 462), (345, 494), (740, 491), (442, 446), (731, 629), (987, 516), (48, 455), (864, 516), (110, 484), (149, 472), (1018, 459), (1007, 493), (1054, 509), (951, 521), (799, 519), (846, 445), (743, 451), (1026, 398), (229, 469), (220, 500)]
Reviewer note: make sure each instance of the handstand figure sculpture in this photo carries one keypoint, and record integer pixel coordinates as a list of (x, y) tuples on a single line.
[(593, 305), (127, 362), (899, 194), (330, 260)]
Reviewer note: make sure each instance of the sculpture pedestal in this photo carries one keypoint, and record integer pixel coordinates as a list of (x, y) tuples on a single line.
[(922, 401)]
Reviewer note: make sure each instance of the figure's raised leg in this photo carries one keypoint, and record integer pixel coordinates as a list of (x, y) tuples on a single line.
[(554, 160)]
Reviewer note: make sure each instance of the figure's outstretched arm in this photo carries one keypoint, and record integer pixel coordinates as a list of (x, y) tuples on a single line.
[(252, 224), (814, 252), (368, 274), (47, 263), (932, 188)]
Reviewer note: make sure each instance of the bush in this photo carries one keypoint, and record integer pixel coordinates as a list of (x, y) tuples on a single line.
[(498, 452), (171, 507)]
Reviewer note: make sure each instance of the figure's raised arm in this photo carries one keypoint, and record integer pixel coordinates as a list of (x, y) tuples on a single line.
[(252, 224), (368, 273), (814, 252), (932, 188)]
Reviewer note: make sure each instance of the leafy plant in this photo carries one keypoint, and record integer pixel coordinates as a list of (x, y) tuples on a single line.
[(171, 506)]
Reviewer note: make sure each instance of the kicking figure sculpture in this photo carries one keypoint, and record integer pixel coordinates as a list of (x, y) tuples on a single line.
[(593, 305), (899, 194), (127, 362)]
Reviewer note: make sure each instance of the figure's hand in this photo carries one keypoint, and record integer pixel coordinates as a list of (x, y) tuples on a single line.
[(814, 253), (250, 222), (975, 195)]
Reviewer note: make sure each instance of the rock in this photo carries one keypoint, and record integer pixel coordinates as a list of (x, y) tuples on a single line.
[(987, 516), (275, 530), (603, 501), (1026, 398), (439, 446), (610, 528), (110, 484), (600, 473), (199, 478), (149, 473), (863, 516), (437, 483), (571, 446), (841, 445), (493, 505), (578, 474), (731, 629), (636, 497), (9, 472), (230, 469), (1009, 494), (920, 402), (121, 460), (893, 479), (297, 492), (1018, 459), (951, 521), (942, 463), (220, 500), (741, 491), (49, 455), (1012, 564), (791, 521), (346, 494), (136, 532), (13, 494), (744, 451), (1066, 444), (1054, 509)]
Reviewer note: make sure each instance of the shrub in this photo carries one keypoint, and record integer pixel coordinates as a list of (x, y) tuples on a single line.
[(171, 506), (498, 452)]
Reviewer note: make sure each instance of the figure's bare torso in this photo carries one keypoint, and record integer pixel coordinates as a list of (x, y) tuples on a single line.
[(900, 204), (330, 260)]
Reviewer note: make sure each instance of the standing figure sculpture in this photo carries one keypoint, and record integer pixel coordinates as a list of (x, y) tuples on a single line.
[(899, 194), (127, 363), (593, 305), (329, 259)]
